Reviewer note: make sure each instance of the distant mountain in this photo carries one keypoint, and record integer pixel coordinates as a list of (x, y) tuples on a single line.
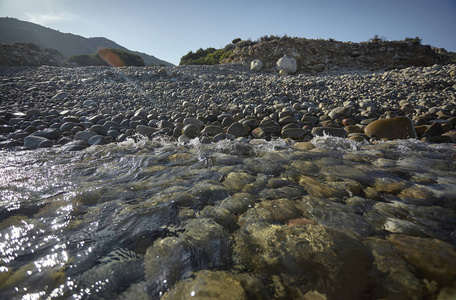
[(14, 30)]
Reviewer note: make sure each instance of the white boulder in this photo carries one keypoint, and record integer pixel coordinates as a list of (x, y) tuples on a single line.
[(287, 63), (256, 65)]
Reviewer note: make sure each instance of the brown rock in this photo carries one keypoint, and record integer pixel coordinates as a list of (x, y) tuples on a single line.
[(433, 258), (452, 135), (237, 129), (434, 130), (394, 128)]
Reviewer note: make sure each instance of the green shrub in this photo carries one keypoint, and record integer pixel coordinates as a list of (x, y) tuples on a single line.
[(414, 41), (106, 57), (377, 39), (209, 56), (236, 40), (31, 46), (53, 51)]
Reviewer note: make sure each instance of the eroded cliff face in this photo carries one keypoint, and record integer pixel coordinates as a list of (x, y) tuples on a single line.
[(314, 56)]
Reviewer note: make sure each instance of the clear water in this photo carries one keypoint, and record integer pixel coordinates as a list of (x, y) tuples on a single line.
[(64, 215)]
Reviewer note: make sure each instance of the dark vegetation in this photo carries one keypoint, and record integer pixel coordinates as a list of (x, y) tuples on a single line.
[(209, 56), (108, 57)]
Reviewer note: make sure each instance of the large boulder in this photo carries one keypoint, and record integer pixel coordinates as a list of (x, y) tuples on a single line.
[(287, 63), (391, 129), (208, 285), (256, 65), (304, 258)]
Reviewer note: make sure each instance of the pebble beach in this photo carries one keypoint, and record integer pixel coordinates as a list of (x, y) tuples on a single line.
[(222, 182)]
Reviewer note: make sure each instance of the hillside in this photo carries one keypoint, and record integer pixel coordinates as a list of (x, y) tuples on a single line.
[(313, 56), (14, 30)]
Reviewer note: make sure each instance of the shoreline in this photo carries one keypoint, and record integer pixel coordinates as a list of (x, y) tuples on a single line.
[(44, 106)]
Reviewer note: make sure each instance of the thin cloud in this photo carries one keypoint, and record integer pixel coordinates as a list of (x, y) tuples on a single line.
[(46, 19)]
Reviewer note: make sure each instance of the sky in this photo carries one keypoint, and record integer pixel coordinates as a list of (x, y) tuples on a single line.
[(169, 29)]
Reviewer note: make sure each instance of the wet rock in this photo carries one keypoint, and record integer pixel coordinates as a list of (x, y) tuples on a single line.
[(77, 145), (146, 130), (84, 135), (235, 181), (237, 129), (394, 278), (238, 203), (320, 131), (300, 255), (221, 216), (334, 214), (317, 188), (50, 134), (209, 191), (403, 226), (388, 185), (271, 211), (32, 142), (198, 123), (347, 172), (191, 131), (212, 130), (303, 146), (390, 129), (98, 140), (293, 133), (433, 259), (208, 285), (203, 244)]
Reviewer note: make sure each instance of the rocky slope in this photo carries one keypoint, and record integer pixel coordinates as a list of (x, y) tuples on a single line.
[(318, 55)]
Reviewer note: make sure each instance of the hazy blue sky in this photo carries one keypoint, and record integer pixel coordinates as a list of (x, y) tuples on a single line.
[(169, 29)]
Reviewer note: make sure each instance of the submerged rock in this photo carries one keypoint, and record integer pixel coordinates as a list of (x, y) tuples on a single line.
[(207, 285), (304, 258)]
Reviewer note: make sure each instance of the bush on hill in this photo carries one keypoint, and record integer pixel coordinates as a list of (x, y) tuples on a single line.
[(108, 57), (209, 56)]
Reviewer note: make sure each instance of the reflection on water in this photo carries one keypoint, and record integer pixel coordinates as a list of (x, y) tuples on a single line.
[(74, 224)]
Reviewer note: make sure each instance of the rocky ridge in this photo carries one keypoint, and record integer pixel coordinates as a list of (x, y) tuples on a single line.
[(315, 56)]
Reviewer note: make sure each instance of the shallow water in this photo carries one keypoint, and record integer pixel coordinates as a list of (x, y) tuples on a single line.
[(78, 224)]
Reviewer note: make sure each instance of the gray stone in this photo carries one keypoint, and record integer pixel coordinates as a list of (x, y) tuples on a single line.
[(146, 130), (256, 65), (84, 135), (293, 133), (212, 130), (49, 133), (98, 140), (32, 142), (237, 129), (60, 96), (287, 64), (190, 131), (198, 123)]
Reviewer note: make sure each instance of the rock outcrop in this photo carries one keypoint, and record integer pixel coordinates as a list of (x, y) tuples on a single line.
[(314, 56)]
